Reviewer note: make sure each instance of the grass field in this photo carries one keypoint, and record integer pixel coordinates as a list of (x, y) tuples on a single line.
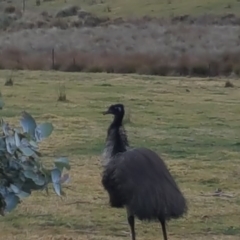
[(137, 8), (192, 123)]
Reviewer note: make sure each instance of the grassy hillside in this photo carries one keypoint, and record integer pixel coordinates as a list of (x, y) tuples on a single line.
[(146, 48), (204, 43), (133, 8), (192, 123)]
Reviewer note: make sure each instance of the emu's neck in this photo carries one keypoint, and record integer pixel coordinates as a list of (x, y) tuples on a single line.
[(116, 140)]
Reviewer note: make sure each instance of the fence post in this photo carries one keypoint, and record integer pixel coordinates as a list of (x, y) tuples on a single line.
[(53, 59), (23, 5)]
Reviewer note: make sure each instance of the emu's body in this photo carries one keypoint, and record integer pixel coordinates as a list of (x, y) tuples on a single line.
[(139, 180)]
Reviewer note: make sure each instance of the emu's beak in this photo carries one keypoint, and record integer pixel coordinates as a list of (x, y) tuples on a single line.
[(106, 112)]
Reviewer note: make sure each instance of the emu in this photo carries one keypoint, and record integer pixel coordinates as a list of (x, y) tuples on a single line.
[(138, 179)]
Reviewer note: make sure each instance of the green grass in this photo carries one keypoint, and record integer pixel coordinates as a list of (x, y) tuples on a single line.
[(130, 8), (196, 132)]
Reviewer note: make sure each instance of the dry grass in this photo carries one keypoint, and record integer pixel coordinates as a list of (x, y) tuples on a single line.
[(62, 95), (140, 47), (188, 38), (196, 132)]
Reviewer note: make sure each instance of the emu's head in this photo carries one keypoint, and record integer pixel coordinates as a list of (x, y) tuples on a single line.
[(117, 110)]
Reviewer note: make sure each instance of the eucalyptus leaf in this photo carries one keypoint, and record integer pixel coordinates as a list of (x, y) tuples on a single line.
[(33, 144), (23, 158), (6, 129), (10, 144), (26, 166), (23, 194), (25, 142), (39, 180), (61, 163), (11, 202), (10, 140), (38, 136), (18, 183), (9, 149), (57, 188), (56, 175), (14, 188), (27, 151), (17, 139), (28, 123), (29, 174), (43, 131)]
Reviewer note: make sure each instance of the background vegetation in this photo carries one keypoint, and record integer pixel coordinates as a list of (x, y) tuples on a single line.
[(157, 37)]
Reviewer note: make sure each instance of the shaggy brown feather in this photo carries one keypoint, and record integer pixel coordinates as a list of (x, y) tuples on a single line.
[(140, 180)]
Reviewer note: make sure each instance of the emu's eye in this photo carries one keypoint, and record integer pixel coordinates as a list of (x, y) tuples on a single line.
[(119, 109)]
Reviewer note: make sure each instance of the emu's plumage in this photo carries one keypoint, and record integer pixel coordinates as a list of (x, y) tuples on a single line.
[(116, 142), (138, 179)]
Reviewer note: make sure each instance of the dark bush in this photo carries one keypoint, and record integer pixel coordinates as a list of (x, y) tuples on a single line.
[(10, 9)]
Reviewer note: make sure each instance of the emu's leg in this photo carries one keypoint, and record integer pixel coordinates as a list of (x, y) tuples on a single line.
[(164, 229), (131, 223)]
